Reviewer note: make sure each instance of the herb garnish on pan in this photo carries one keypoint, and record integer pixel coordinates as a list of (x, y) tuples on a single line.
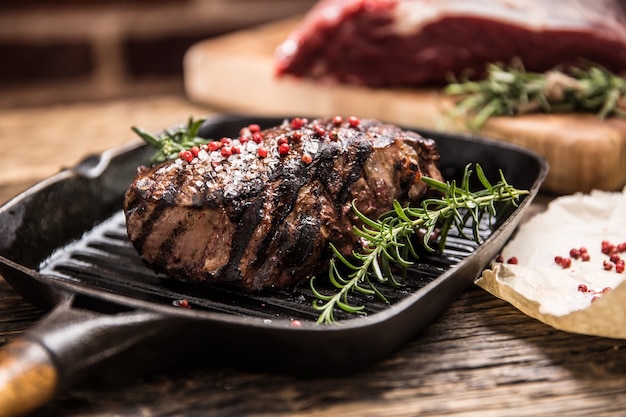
[(388, 239)]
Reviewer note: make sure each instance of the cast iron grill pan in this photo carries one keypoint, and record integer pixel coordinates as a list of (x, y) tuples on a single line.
[(105, 259), (64, 247)]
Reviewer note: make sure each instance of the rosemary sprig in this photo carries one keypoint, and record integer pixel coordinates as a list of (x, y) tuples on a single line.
[(388, 239), (171, 142), (509, 91)]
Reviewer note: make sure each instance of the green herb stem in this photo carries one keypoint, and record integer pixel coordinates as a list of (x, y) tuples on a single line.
[(510, 91), (388, 239), (169, 144)]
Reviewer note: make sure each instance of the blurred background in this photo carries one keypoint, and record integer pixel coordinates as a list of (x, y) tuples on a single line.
[(75, 75), (76, 50)]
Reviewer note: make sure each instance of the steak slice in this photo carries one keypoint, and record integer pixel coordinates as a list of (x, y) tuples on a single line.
[(421, 42), (261, 215)]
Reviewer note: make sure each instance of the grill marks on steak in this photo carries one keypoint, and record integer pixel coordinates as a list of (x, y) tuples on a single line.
[(418, 42), (266, 222)]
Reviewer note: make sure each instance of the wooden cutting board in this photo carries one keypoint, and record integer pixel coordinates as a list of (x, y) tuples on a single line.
[(236, 72)]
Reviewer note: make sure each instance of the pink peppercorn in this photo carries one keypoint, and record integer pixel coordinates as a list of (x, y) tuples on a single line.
[(183, 303), (297, 123), (353, 121), (186, 155), (306, 158), (226, 151), (607, 248), (319, 130), (296, 136), (257, 137), (283, 149)]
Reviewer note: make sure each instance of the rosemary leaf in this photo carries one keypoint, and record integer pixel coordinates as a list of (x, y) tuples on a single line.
[(388, 239), (169, 144), (510, 91)]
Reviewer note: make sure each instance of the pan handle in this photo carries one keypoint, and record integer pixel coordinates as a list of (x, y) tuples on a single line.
[(62, 348), (28, 377)]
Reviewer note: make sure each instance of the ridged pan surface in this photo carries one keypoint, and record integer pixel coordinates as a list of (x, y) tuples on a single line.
[(67, 235), (104, 259)]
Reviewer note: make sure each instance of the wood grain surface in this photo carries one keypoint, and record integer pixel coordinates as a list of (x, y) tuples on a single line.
[(482, 357), (237, 72), (39, 141)]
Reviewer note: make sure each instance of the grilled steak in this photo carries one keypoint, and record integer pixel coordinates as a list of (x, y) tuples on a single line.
[(258, 211), (418, 42)]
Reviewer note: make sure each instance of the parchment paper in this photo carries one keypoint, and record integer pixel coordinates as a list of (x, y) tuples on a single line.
[(542, 289)]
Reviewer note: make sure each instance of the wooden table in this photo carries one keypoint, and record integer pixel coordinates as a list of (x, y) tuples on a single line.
[(482, 357)]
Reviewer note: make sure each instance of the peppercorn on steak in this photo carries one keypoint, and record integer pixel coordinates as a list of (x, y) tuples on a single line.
[(259, 210)]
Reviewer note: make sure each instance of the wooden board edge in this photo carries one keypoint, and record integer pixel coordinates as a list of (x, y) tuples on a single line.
[(591, 156)]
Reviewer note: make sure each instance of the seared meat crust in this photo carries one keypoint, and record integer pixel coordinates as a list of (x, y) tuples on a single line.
[(260, 221)]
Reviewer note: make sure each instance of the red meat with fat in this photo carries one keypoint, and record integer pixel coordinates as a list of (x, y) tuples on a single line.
[(421, 42)]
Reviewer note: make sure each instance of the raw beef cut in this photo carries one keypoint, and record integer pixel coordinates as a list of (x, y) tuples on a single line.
[(258, 211), (420, 42)]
